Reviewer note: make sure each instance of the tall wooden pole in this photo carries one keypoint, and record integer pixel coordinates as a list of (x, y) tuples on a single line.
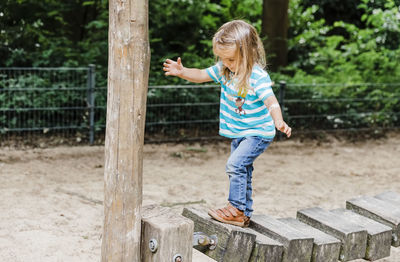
[(128, 69)]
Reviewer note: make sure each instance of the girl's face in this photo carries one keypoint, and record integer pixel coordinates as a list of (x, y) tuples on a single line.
[(228, 57)]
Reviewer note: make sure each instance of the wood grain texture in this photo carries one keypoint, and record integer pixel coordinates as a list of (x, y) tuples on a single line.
[(380, 211), (326, 248), (172, 231), (352, 236), (297, 247), (128, 70), (379, 235), (234, 243)]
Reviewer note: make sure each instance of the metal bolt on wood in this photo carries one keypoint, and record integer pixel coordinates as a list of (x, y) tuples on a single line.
[(177, 258), (153, 245), (200, 238)]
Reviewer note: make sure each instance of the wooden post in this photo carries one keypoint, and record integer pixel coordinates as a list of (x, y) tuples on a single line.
[(169, 234), (128, 70)]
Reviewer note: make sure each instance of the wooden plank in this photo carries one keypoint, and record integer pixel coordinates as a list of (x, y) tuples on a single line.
[(390, 196), (265, 248), (200, 257), (352, 236), (128, 71), (380, 211), (235, 244), (325, 249), (297, 246), (173, 234), (379, 235)]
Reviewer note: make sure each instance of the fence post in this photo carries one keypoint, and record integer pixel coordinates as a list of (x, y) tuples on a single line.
[(281, 98), (90, 100)]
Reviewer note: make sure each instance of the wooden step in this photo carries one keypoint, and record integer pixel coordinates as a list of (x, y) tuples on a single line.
[(326, 248), (391, 197), (200, 257), (297, 246), (352, 236), (379, 235), (170, 233), (234, 243), (380, 211), (265, 248)]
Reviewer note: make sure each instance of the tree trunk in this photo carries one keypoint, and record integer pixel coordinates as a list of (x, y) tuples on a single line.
[(128, 70), (275, 24)]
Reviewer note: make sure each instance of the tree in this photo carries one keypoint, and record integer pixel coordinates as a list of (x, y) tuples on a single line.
[(275, 24)]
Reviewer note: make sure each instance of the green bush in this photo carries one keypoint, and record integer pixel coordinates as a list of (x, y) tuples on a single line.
[(332, 54)]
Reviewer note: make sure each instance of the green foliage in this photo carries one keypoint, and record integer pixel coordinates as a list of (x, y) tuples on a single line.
[(54, 33), (344, 43), (366, 54), (183, 28), (55, 96), (346, 55)]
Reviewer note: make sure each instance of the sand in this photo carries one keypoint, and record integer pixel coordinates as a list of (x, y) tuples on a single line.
[(51, 198)]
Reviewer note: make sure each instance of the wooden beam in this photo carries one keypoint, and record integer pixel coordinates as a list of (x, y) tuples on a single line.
[(296, 245), (128, 70), (390, 196), (380, 211), (172, 232), (235, 244), (353, 237), (326, 248), (200, 257), (265, 248), (379, 235)]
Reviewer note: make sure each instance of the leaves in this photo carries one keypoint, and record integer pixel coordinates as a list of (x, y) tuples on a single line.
[(330, 41)]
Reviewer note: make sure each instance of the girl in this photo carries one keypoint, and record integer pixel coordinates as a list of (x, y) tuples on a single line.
[(249, 111)]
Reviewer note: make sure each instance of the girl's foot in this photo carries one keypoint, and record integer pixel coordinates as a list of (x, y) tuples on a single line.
[(230, 215), (246, 221)]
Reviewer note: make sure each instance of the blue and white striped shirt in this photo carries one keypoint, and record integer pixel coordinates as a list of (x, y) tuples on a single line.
[(244, 117)]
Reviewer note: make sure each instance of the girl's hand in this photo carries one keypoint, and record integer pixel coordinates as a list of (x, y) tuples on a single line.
[(283, 127), (173, 68)]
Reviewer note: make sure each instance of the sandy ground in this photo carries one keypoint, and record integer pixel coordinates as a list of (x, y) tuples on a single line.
[(51, 199)]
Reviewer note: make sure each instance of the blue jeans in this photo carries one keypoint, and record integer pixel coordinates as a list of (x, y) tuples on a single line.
[(244, 151)]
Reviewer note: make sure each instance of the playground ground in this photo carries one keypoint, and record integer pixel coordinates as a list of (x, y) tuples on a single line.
[(51, 198)]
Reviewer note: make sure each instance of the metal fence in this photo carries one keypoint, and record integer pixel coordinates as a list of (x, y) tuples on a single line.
[(364, 107), (176, 113), (40, 103), (46, 101)]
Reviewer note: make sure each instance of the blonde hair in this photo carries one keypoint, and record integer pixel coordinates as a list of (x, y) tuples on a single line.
[(249, 51)]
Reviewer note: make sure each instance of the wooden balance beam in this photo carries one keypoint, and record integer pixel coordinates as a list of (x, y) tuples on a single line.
[(366, 229)]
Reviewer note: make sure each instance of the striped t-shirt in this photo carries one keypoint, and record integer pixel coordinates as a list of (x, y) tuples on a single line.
[(248, 116)]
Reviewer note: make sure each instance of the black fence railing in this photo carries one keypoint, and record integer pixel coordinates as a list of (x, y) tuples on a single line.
[(46, 101), (343, 107), (53, 102)]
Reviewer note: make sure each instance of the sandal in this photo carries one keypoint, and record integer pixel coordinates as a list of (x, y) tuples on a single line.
[(230, 215), (246, 221)]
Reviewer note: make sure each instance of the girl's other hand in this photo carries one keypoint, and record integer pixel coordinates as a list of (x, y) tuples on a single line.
[(283, 127), (173, 68)]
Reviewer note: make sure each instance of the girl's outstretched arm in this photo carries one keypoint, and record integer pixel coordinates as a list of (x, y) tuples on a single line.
[(275, 111), (176, 68)]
